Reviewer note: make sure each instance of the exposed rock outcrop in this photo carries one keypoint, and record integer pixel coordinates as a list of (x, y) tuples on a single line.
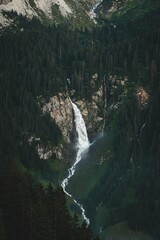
[(60, 109), (142, 97), (51, 9), (91, 112)]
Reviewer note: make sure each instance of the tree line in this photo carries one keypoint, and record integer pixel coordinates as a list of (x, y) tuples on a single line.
[(29, 211)]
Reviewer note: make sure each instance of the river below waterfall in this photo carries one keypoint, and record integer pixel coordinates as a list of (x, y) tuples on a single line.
[(82, 147)]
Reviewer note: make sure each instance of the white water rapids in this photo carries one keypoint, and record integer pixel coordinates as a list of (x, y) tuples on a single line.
[(105, 103), (92, 12), (82, 146)]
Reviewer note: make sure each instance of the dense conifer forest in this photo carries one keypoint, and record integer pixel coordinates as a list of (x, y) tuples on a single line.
[(35, 61), (32, 212)]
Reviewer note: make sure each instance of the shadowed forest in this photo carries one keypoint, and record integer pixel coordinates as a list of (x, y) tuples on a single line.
[(35, 61)]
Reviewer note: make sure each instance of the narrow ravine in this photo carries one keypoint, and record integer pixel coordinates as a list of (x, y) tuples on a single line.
[(105, 104), (82, 147), (92, 12)]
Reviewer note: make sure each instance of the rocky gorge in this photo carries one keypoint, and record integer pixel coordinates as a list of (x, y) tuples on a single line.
[(60, 109)]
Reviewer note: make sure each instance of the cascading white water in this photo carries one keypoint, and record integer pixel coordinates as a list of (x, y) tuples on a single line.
[(105, 103), (92, 12), (137, 138), (82, 146)]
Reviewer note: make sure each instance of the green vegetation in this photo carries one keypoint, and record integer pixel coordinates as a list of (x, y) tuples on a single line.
[(127, 11), (121, 231), (57, 15), (39, 12), (121, 179), (32, 4), (32, 212), (128, 187), (79, 17)]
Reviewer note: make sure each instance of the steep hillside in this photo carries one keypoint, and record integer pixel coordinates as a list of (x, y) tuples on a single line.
[(111, 72), (125, 10), (48, 11), (119, 179)]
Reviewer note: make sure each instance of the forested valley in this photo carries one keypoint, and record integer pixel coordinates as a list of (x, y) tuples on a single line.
[(35, 62), (32, 212)]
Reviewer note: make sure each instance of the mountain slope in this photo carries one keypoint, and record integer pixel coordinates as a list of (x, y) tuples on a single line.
[(126, 10), (32, 8), (118, 180), (50, 10), (120, 176)]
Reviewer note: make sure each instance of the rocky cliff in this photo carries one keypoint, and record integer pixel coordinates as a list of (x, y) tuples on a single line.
[(91, 111), (47, 11), (60, 110)]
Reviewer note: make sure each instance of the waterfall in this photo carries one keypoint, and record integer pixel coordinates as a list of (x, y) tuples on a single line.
[(92, 12), (105, 103), (82, 146)]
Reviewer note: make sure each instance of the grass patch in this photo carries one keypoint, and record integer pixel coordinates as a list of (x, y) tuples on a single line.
[(121, 231)]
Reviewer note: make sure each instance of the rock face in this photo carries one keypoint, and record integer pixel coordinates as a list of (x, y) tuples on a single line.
[(91, 112), (32, 8), (60, 110), (51, 9)]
